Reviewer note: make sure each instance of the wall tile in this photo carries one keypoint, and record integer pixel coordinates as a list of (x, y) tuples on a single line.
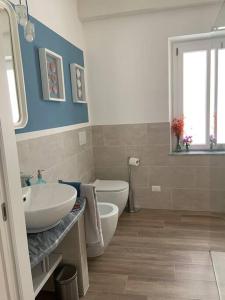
[(203, 177), (45, 152), (158, 134), (217, 160), (109, 156), (85, 161), (134, 134), (145, 198), (60, 155), (113, 135), (109, 173), (97, 135), (140, 176), (184, 199), (23, 153), (191, 160), (195, 176), (63, 170), (217, 201), (88, 177), (70, 143), (150, 155), (121, 135), (156, 155), (217, 178), (187, 182), (135, 151), (171, 176)]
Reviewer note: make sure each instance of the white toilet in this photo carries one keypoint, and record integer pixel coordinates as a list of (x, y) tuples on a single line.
[(109, 218), (112, 191)]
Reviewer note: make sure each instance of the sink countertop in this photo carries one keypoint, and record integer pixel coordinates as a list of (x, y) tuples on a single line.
[(43, 243)]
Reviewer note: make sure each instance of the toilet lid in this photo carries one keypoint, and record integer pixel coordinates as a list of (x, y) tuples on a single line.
[(110, 185)]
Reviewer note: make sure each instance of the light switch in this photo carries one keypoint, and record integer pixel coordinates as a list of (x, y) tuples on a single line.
[(156, 188), (82, 138)]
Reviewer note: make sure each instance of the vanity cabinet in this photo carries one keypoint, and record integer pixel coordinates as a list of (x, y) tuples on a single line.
[(63, 244), (73, 251)]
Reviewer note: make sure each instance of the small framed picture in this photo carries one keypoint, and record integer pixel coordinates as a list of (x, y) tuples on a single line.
[(52, 75), (78, 83)]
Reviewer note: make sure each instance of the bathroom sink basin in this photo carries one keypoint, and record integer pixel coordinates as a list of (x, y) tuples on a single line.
[(46, 204)]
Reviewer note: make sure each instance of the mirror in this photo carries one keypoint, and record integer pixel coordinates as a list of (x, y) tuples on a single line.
[(9, 64), (10, 52)]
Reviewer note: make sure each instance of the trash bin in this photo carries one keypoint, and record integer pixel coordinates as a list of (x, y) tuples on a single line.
[(66, 287)]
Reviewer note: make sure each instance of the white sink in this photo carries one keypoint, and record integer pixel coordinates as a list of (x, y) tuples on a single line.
[(46, 204)]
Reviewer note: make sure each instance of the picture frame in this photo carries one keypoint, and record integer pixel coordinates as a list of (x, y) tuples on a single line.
[(52, 75), (78, 83)]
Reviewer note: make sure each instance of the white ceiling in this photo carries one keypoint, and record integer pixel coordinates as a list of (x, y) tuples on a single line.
[(98, 9)]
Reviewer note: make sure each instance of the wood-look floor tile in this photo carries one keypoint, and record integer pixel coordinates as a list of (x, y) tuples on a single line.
[(173, 243), (107, 296), (159, 255), (201, 290), (194, 272), (107, 282), (130, 267)]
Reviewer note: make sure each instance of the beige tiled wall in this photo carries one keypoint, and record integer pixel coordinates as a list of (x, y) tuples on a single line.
[(187, 182), (60, 155)]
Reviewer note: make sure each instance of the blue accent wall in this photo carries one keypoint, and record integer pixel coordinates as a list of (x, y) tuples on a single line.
[(49, 114)]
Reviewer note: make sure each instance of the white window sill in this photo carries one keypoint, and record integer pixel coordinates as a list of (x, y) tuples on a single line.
[(206, 152)]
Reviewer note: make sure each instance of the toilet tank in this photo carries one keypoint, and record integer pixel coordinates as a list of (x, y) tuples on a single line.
[(112, 191)]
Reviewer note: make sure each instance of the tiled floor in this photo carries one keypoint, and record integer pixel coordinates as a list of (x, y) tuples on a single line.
[(159, 255), (218, 259)]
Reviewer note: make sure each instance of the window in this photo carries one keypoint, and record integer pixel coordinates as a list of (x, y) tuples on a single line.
[(198, 89)]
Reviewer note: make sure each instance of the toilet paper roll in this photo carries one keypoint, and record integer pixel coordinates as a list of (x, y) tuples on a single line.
[(134, 161)]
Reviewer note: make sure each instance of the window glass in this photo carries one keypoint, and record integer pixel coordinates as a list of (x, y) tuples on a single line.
[(195, 95), (221, 98), (212, 93)]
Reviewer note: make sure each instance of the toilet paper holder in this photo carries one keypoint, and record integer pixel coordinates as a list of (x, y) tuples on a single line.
[(132, 162)]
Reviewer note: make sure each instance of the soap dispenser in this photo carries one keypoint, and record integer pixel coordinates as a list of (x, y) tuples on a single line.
[(40, 180)]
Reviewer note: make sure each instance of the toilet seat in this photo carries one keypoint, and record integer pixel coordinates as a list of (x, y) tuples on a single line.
[(107, 210), (110, 185)]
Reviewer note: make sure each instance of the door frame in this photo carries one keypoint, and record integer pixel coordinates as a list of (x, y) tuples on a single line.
[(13, 232)]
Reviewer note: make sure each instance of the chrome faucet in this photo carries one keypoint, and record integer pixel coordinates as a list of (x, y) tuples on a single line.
[(25, 179)]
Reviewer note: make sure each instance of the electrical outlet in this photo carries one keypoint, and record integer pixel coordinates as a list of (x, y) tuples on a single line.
[(156, 188), (82, 138)]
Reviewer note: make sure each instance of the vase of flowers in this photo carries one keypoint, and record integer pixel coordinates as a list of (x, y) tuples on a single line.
[(177, 127), (212, 141), (187, 142)]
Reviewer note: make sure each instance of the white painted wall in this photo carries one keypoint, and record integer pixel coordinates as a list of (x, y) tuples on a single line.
[(59, 15), (127, 61), (95, 9)]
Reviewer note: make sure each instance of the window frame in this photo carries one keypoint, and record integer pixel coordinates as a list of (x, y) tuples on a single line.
[(177, 46)]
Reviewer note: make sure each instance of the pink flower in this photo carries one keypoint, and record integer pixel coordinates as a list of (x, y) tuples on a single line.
[(187, 140)]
